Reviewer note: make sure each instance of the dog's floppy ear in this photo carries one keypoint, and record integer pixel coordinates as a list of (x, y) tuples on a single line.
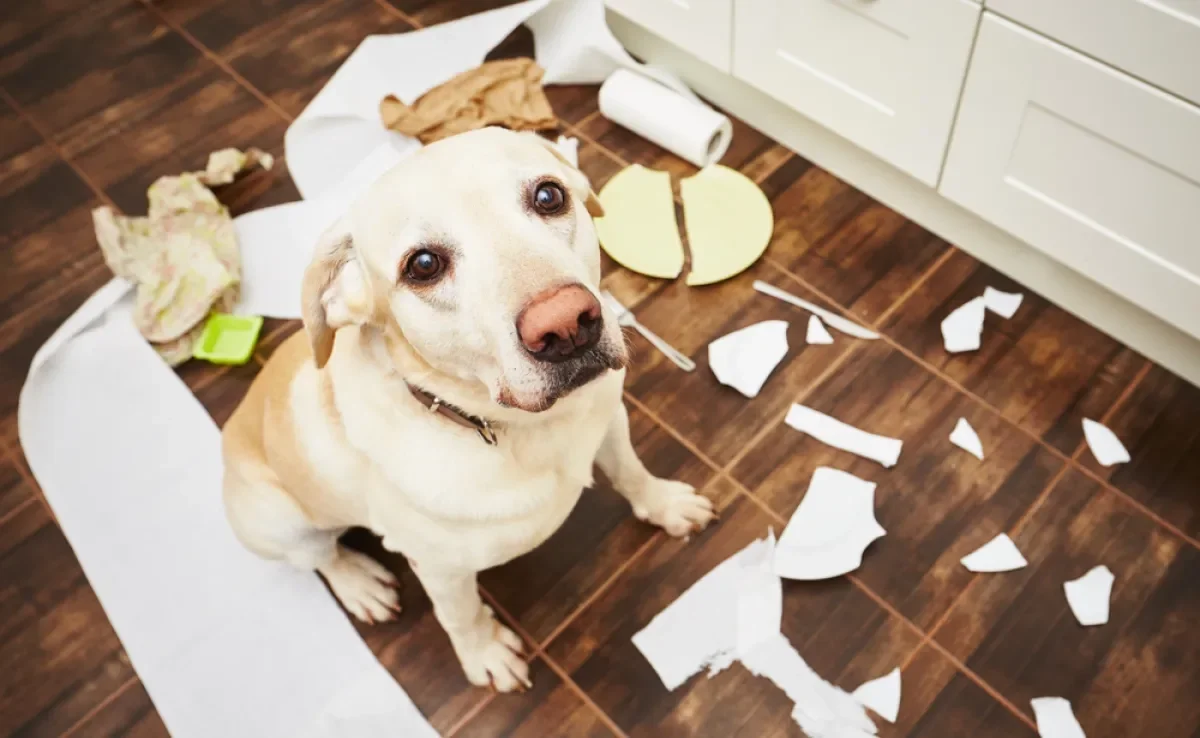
[(335, 292), (581, 183)]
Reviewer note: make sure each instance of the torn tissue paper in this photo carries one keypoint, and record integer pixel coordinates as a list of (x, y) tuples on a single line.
[(882, 695), (1105, 445), (1004, 304), (830, 530), (834, 432), (182, 257), (997, 555), (745, 358), (1089, 595), (1055, 718), (849, 327)]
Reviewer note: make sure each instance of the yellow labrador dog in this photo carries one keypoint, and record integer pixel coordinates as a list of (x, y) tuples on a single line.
[(457, 380)]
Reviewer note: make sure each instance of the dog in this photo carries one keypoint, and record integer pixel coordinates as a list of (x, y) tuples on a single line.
[(475, 382)]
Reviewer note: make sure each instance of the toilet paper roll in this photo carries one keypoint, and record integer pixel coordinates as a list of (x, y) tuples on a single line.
[(686, 128)]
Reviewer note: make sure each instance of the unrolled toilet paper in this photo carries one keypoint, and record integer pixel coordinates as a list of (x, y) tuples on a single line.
[(684, 126)]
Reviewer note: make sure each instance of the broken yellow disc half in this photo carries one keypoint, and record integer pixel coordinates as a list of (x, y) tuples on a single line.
[(729, 223), (638, 229)]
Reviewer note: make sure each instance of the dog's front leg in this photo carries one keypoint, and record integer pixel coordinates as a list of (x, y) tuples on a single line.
[(673, 506), (489, 652)]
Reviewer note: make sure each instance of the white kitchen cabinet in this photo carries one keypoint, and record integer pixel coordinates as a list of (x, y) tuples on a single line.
[(703, 28), (1085, 163), (885, 74), (1156, 40)]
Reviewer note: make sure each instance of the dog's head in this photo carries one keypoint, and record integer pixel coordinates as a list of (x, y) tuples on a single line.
[(478, 255)]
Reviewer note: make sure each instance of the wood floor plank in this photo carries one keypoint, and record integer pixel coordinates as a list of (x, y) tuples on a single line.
[(938, 503), (76, 72), (938, 701), (541, 588), (843, 635), (14, 492), (719, 420), (1136, 675), (1044, 368), (130, 714), (58, 654), (1157, 424), (550, 710)]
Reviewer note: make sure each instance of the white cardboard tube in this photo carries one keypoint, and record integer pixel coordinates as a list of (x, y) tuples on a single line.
[(689, 129)]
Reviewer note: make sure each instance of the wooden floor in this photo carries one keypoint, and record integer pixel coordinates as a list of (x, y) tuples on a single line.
[(99, 97)]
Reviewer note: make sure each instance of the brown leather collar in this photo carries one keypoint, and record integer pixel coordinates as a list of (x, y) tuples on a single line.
[(436, 405)]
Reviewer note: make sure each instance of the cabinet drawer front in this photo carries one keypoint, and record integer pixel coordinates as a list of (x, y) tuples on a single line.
[(884, 74), (1085, 163), (700, 27), (1158, 41)]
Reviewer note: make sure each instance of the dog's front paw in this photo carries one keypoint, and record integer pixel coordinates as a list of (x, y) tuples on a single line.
[(496, 660), (365, 588), (675, 507)]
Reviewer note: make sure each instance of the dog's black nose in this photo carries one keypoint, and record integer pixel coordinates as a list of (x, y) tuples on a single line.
[(560, 324)]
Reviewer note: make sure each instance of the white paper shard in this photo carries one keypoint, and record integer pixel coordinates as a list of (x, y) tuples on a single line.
[(822, 710), (964, 437), (701, 628), (962, 330), (881, 695), (998, 554), (568, 146), (745, 358), (1089, 596), (1004, 304), (817, 333), (1055, 718), (849, 327), (830, 530), (834, 432), (1105, 445)]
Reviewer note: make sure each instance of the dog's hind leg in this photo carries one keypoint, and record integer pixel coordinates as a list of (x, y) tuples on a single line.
[(269, 522)]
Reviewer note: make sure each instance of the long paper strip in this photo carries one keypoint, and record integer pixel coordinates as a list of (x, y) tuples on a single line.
[(227, 644)]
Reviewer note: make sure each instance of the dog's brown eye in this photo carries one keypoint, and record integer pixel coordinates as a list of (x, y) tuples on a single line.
[(424, 266), (549, 198)]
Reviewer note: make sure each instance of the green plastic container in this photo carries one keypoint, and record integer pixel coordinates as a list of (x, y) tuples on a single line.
[(229, 339)]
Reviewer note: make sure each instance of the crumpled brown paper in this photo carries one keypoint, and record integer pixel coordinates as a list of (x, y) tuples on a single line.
[(182, 256), (507, 93)]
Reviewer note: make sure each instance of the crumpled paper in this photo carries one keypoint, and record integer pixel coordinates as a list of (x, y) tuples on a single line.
[(507, 92), (182, 256)]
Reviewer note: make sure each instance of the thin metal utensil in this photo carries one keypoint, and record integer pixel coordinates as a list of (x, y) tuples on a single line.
[(626, 319), (845, 326)]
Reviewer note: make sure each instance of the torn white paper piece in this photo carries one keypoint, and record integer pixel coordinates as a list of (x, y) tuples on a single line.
[(759, 595), (965, 437), (881, 695), (1089, 596), (1105, 445), (817, 333), (830, 530), (822, 710), (962, 330), (998, 554), (834, 432), (849, 327), (1055, 718), (745, 358), (107, 427), (568, 146), (701, 627), (1004, 304), (342, 124)]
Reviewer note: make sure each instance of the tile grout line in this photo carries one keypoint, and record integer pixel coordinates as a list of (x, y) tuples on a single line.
[(593, 142), (916, 285), (108, 700), (217, 60), (410, 20), (584, 697), (1070, 460), (20, 508), (59, 151), (470, 715), (16, 458)]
